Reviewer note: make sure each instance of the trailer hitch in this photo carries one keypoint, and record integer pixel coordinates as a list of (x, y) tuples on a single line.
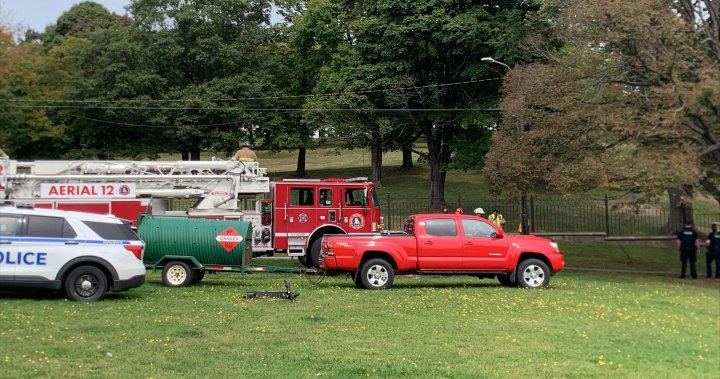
[(287, 294)]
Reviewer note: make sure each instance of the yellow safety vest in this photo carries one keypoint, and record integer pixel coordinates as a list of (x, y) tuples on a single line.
[(496, 219)]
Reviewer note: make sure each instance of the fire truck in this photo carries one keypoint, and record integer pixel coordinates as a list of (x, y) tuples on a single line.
[(288, 216)]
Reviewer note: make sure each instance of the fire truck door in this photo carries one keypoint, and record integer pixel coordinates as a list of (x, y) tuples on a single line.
[(355, 215), (302, 211), (328, 206)]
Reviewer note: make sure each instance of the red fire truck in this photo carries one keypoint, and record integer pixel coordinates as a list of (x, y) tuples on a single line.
[(288, 216)]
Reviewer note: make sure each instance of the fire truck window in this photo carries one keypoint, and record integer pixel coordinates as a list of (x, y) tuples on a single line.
[(355, 197), (302, 196), (9, 225), (50, 227), (325, 197), (444, 227)]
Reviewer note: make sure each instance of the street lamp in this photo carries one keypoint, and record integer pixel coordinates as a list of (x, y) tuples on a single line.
[(523, 194), (492, 60)]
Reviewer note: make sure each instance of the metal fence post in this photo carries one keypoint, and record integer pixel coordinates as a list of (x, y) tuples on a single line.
[(607, 217), (531, 221), (388, 217), (459, 201)]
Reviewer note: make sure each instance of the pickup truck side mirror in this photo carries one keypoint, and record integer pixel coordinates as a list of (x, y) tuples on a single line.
[(499, 234)]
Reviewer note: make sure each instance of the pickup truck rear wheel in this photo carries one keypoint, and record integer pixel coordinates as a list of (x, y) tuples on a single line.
[(533, 273), (376, 274)]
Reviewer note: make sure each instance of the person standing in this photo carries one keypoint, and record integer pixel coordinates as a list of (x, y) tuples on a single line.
[(496, 218), (246, 154), (687, 242), (713, 252), (479, 212)]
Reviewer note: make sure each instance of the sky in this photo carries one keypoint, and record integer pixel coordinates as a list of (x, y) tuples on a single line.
[(37, 14)]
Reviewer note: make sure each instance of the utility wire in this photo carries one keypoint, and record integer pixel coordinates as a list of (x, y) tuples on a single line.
[(258, 97), (345, 110)]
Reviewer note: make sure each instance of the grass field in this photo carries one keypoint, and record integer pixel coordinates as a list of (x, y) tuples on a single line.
[(587, 324)]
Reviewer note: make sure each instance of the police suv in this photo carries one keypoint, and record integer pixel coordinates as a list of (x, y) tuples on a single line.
[(83, 254)]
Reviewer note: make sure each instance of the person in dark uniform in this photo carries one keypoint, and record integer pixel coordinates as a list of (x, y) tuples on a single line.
[(687, 242), (713, 251)]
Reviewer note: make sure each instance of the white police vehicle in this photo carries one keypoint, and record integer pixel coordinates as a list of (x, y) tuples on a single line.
[(83, 254)]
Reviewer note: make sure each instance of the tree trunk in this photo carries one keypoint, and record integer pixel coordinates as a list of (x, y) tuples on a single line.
[(437, 137), (376, 159), (437, 185), (300, 168), (681, 209), (184, 154), (195, 154), (407, 163)]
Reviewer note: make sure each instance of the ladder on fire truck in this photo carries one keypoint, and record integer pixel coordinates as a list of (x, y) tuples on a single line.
[(218, 183)]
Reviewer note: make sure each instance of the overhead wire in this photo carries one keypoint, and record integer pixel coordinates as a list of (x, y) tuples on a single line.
[(254, 98)]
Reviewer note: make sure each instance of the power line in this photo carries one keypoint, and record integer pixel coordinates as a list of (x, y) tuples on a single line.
[(289, 110), (253, 98)]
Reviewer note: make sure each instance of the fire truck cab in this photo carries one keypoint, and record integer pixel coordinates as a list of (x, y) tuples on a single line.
[(305, 210)]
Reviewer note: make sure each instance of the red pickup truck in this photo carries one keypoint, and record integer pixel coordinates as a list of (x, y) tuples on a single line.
[(443, 244)]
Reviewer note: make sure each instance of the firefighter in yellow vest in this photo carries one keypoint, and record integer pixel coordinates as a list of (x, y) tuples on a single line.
[(246, 154), (496, 218)]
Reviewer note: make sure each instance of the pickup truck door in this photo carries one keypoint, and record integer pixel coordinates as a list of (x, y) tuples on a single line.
[(481, 249), (439, 247)]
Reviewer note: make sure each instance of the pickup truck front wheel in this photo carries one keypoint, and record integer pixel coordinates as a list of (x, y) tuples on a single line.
[(533, 273), (376, 274)]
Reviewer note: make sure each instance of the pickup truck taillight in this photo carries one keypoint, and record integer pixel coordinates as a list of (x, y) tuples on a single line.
[(137, 250), (325, 248)]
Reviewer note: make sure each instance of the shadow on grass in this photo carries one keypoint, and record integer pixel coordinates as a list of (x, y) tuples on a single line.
[(50, 295)]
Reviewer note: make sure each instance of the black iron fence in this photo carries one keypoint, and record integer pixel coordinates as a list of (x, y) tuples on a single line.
[(577, 215)]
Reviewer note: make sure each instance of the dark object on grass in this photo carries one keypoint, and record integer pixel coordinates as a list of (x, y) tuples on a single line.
[(287, 294)]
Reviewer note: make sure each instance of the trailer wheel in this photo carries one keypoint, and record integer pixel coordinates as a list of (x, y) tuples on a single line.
[(533, 273), (197, 276), (176, 274), (377, 274), (86, 283)]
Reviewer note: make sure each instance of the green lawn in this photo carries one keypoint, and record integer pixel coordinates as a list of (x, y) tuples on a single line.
[(587, 324)]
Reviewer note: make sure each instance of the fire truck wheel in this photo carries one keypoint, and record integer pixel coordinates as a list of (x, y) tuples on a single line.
[(376, 274), (314, 258), (86, 283), (176, 274), (304, 260), (197, 276)]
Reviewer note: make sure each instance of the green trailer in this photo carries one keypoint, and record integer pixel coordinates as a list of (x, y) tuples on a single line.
[(186, 248)]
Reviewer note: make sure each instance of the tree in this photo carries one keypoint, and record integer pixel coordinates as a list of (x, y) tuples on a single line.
[(421, 51), (626, 96), (26, 131), (209, 54)]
